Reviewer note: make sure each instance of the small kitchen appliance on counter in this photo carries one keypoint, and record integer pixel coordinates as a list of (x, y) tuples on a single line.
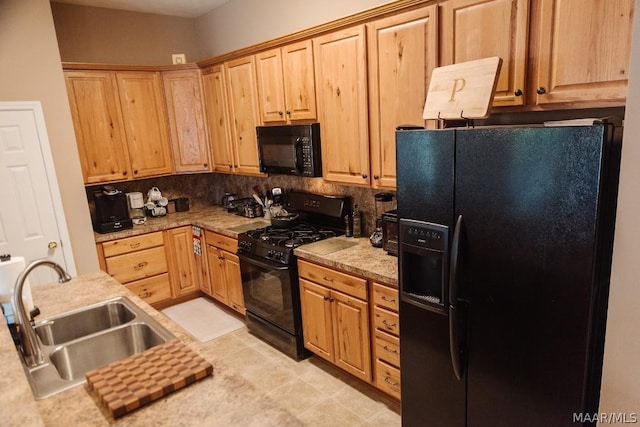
[(384, 202), (390, 232), (135, 201), (112, 212)]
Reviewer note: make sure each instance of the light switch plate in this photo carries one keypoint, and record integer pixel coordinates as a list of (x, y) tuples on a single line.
[(178, 58)]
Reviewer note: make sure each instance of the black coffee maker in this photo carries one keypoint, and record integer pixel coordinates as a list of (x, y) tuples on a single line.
[(112, 212)]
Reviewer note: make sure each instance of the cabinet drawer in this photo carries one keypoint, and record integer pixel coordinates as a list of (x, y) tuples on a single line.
[(222, 242), (346, 283), (388, 379), (131, 244), (385, 296), (137, 265), (152, 289), (388, 348), (386, 320)]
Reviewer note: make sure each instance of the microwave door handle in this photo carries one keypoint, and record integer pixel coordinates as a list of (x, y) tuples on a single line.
[(298, 150)]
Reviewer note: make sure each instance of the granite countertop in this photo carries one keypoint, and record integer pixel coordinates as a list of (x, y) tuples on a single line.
[(353, 255), (216, 400), (213, 218)]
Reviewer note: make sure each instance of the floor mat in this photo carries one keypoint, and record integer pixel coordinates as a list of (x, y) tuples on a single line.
[(203, 319)]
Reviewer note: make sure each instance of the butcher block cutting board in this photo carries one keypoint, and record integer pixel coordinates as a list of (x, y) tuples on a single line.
[(128, 384), (463, 91)]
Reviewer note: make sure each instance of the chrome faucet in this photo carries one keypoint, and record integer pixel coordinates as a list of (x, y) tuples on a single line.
[(30, 347)]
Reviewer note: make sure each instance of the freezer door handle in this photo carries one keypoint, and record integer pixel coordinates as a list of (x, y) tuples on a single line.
[(455, 318), (453, 266)]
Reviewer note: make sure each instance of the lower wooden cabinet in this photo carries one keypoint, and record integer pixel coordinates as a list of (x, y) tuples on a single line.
[(225, 280), (386, 338), (336, 324), (158, 267), (182, 261), (140, 263)]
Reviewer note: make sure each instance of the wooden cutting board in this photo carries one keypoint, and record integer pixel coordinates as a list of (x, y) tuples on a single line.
[(463, 91), (128, 384)]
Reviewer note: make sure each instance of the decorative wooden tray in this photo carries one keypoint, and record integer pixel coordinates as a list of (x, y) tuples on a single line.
[(128, 384)]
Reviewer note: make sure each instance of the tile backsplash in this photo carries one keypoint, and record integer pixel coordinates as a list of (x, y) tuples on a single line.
[(207, 189)]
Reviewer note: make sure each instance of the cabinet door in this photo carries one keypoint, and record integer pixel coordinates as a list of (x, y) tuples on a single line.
[(243, 111), (583, 51), (271, 86), (183, 93), (341, 82), (316, 319), (403, 51), (234, 281), (351, 335), (145, 118), (475, 29), (215, 97), (216, 274), (97, 121), (183, 271), (299, 81)]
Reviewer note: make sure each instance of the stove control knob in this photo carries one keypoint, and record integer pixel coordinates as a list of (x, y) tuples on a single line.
[(277, 255)]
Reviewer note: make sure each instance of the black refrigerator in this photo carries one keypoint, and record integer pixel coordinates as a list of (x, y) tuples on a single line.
[(505, 241)]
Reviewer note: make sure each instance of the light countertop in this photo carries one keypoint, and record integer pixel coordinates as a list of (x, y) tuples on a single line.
[(217, 400)]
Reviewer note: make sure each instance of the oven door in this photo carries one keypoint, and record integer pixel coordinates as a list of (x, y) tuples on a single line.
[(267, 288)]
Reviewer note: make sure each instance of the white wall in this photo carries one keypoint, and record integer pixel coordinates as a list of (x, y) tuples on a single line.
[(620, 392), (241, 23), (30, 70)]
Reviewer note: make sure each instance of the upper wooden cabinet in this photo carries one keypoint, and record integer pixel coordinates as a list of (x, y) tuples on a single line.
[(217, 113), (475, 29), (97, 119), (582, 51), (286, 85), (145, 118), (183, 94), (341, 84), (403, 51), (243, 114)]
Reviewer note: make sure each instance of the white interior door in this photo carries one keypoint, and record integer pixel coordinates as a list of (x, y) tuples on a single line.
[(32, 221)]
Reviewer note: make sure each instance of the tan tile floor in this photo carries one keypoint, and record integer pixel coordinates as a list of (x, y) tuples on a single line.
[(316, 392)]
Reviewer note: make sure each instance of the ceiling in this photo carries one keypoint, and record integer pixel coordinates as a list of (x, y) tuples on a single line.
[(183, 8)]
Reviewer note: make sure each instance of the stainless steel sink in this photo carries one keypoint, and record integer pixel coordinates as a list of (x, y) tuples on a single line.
[(73, 360), (76, 342), (82, 322)]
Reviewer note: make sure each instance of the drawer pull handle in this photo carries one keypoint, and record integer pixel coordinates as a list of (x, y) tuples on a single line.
[(384, 298), (328, 279), (144, 294), (389, 324), (390, 350), (140, 266), (391, 383), (134, 245)]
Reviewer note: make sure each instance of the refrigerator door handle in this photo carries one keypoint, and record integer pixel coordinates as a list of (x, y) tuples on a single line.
[(455, 347)]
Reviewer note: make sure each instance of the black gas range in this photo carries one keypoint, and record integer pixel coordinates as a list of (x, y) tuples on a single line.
[(270, 273)]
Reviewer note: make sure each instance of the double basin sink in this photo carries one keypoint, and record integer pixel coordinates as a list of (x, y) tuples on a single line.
[(78, 341)]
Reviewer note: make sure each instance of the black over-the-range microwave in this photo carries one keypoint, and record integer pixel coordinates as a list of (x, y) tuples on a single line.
[(290, 149)]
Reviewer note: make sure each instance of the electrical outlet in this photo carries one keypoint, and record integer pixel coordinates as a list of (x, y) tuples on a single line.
[(178, 58)]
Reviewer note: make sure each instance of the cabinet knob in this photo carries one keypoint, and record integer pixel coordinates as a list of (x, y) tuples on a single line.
[(541, 90), (52, 245), (376, 177), (280, 113), (230, 166), (206, 165), (135, 171), (288, 113), (124, 173), (518, 92), (365, 176)]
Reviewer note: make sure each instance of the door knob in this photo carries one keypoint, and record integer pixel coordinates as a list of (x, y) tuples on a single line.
[(52, 245)]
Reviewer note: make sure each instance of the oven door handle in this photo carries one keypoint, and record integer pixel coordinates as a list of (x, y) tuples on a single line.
[(261, 263)]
